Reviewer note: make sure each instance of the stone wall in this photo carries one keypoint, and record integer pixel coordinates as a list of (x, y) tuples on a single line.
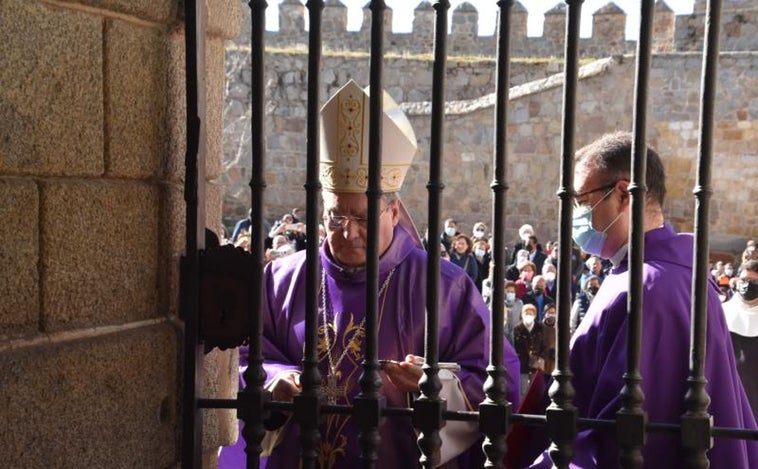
[(534, 124), (92, 228)]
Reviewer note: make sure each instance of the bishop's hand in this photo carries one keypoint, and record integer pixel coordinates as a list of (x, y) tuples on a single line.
[(404, 375), (286, 387)]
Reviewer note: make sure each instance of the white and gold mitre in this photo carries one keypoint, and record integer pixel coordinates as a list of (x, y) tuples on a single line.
[(344, 142)]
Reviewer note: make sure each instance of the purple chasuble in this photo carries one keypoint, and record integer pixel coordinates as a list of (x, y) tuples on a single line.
[(463, 339), (598, 361)]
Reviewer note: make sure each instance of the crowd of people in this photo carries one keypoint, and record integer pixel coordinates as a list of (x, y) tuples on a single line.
[(530, 281)]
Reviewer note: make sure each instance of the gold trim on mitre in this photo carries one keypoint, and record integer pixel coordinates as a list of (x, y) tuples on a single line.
[(344, 142)]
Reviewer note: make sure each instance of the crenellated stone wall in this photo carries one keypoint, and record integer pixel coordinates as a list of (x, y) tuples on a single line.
[(92, 117), (739, 20), (605, 104)]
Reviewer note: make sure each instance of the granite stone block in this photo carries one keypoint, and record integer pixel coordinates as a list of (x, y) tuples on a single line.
[(108, 401), (100, 256), (51, 97), (136, 99), (19, 255)]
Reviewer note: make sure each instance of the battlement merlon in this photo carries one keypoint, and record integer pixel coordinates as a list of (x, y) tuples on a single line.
[(670, 32)]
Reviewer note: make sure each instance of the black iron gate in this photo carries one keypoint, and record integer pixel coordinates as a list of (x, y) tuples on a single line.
[(216, 322)]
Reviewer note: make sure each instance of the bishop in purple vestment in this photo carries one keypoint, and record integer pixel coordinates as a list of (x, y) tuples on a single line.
[(463, 316)]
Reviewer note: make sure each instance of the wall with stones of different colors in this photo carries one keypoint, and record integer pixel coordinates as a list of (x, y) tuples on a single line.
[(92, 129), (605, 104)]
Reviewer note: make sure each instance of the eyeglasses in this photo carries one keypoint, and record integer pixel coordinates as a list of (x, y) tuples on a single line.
[(340, 221), (606, 187)]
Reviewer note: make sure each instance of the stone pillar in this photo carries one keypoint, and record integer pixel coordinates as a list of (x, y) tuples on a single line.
[(465, 28), (554, 31), (91, 220), (609, 29), (663, 27)]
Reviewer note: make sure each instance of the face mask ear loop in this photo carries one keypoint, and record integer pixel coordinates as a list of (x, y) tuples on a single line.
[(611, 223)]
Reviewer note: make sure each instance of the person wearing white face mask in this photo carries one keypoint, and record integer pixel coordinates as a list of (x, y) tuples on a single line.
[(479, 233), (529, 343), (598, 354), (482, 255), (549, 274), (449, 233)]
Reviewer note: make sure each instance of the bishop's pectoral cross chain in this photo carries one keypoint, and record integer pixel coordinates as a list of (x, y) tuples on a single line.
[(330, 387)]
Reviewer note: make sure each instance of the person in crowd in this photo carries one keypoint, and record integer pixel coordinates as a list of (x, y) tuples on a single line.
[(281, 247), (583, 301), (464, 326), (479, 232), (444, 255), (718, 269), (594, 267), (242, 225), (526, 273), (601, 224), (537, 296), (741, 313), (481, 253), (723, 281), (750, 252), (513, 306), (524, 232), (512, 270), (548, 330), (529, 341), (462, 256), (536, 255), (549, 273), (449, 233), (297, 215), (242, 228), (577, 266), (294, 232)]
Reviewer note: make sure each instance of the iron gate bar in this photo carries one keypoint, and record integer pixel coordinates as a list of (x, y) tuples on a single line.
[(428, 408), (254, 398), (561, 413), (307, 403), (194, 162), (696, 422), (495, 410), (369, 402), (631, 418)]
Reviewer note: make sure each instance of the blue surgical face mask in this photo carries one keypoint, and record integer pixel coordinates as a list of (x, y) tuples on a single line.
[(510, 297), (479, 252), (450, 231), (584, 234)]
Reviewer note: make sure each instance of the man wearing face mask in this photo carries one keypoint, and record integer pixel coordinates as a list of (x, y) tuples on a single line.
[(583, 300), (598, 356), (449, 233), (741, 314)]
